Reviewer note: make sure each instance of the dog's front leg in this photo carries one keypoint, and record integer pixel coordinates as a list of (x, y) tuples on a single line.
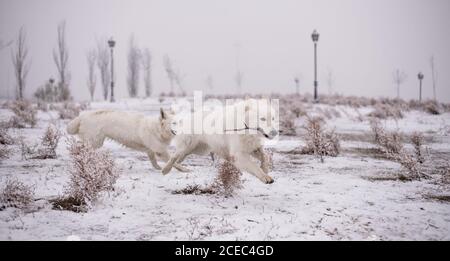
[(152, 157), (171, 162), (261, 156), (244, 162)]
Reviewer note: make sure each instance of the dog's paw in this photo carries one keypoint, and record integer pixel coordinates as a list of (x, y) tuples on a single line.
[(165, 171), (267, 179)]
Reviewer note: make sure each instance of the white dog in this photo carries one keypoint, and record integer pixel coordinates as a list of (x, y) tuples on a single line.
[(236, 143), (151, 135)]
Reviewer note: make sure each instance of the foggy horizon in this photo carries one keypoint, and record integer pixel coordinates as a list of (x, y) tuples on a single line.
[(361, 42)]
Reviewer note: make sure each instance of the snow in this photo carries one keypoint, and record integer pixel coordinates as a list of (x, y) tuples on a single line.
[(334, 200)]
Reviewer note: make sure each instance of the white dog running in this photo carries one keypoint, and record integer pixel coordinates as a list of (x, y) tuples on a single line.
[(151, 135), (231, 144)]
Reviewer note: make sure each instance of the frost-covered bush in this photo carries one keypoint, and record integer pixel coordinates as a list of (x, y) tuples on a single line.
[(417, 141), (92, 173), (24, 114), (46, 149), (319, 141), (287, 124), (70, 110), (5, 138), (16, 194), (431, 107), (49, 142), (4, 151), (384, 111), (390, 143), (229, 177)]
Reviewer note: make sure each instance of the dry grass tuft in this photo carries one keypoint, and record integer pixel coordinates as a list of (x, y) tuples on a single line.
[(16, 194)]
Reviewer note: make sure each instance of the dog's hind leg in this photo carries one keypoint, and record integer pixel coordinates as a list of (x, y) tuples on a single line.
[(261, 156), (244, 162), (152, 157)]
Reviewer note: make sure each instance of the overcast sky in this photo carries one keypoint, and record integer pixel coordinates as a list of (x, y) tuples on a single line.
[(361, 42)]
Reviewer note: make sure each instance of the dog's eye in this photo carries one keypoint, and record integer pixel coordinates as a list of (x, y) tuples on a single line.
[(263, 119)]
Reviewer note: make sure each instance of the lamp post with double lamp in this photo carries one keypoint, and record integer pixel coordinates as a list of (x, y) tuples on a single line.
[(111, 44), (315, 38), (420, 76)]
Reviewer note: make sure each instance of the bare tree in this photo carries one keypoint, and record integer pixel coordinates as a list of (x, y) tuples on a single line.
[(19, 60), (179, 80), (134, 56), (297, 80), (103, 59), (61, 58), (147, 67), (433, 75), (399, 77), (168, 66), (91, 58), (239, 79), (330, 80)]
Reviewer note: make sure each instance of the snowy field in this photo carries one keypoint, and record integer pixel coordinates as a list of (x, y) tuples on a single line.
[(348, 197)]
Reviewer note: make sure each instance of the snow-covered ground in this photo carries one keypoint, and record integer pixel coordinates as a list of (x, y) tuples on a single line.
[(339, 199)]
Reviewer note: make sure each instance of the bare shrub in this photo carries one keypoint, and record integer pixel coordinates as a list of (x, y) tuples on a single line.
[(431, 107), (226, 182), (43, 106), (287, 125), (417, 141), (27, 150), (5, 138), (384, 111), (228, 178), (49, 142), (390, 143), (16, 194), (24, 114), (92, 173), (195, 190), (4, 151), (318, 141), (70, 110), (445, 174)]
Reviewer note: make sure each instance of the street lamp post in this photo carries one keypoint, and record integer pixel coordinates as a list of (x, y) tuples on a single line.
[(297, 85), (111, 44), (420, 76), (315, 38)]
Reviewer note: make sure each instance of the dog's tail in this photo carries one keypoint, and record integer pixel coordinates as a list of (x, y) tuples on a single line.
[(73, 126)]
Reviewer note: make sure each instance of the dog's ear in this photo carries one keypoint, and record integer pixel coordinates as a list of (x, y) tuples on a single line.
[(163, 114)]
